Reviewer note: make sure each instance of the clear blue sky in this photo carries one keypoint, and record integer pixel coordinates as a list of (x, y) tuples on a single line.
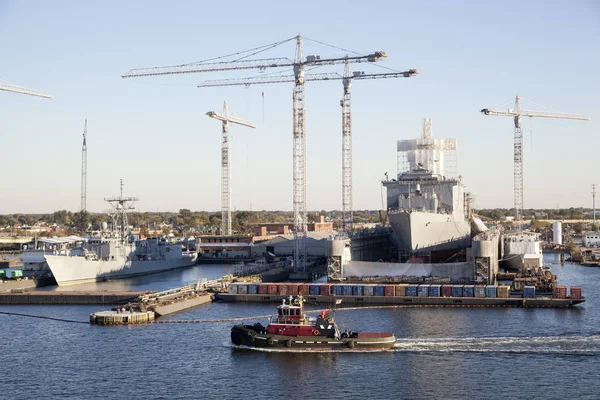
[(153, 132)]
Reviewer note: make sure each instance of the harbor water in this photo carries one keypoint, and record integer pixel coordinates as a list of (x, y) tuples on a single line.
[(445, 353)]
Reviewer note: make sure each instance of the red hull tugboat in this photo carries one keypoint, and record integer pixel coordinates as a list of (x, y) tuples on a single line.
[(291, 328)]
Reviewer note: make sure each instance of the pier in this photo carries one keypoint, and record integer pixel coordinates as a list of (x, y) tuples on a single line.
[(92, 297)]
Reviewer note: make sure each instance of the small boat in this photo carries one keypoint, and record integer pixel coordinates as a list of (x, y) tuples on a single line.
[(292, 329)]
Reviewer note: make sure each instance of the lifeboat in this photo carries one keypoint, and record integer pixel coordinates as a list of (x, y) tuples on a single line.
[(292, 329)]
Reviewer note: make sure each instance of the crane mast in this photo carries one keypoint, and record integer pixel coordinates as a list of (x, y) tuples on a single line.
[(517, 113), (84, 169), (225, 118), (347, 217)]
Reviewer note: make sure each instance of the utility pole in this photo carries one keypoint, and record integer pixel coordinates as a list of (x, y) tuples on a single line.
[(84, 170)]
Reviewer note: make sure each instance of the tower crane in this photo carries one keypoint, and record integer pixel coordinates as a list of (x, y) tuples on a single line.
[(225, 164), (19, 89), (299, 117), (347, 219), (517, 113)]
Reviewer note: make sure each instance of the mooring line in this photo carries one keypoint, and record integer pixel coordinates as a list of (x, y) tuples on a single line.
[(43, 317)]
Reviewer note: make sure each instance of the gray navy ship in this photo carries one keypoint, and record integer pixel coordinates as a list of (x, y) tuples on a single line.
[(113, 253), (428, 211)]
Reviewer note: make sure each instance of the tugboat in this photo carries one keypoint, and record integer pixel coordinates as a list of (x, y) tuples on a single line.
[(292, 329)]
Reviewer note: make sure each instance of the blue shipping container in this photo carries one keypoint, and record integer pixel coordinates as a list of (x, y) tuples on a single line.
[(469, 291), (347, 290), (529, 292), (423, 290), (314, 290), (490, 291), (252, 289), (457, 291), (412, 290), (435, 291), (357, 290), (379, 291), (368, 290), (338, 290)]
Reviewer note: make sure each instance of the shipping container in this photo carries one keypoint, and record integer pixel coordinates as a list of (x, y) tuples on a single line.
[(401, 290), (423, 290), (560, 292), (338, 290), (242, 289), (503, 292), (304, 289), (379, 291), (253, 289), (446, 290), (479, 291), (282, 289), (263, 288), (575, 292), (457, 290), (368, 290), (529, 292), (435, 291), (273, 288), (412, 290), (357, 290), (293, 289), (490, 291), (389, 290), (2, 273), (347, 290), (315, 290), (469, 291), (233, 288), (326, 290)]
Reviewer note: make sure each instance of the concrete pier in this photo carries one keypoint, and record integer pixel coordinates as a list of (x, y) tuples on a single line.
[(40, 297)]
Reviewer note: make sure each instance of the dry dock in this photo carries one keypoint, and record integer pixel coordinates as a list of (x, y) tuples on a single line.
[(538, 302), (73, 297)]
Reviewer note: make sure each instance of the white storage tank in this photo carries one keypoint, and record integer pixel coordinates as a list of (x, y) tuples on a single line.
[(557, 232)]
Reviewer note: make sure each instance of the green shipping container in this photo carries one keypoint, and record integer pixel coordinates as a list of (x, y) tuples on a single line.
[(2, 273), (16, 273)]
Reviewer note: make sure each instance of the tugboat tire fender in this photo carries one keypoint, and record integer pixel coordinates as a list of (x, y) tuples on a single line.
[(316, 332), (288, 343), (350, 344), (270, 341)]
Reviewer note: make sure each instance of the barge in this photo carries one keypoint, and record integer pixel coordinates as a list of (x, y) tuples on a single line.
[(456, 295)]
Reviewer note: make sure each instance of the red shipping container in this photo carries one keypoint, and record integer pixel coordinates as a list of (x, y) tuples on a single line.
[(390, 290), (446, 290), (304, 289), (263, 289), (560, 292), (576, 292), (293, 289), (283, 289), (272, 289), (326, 290)]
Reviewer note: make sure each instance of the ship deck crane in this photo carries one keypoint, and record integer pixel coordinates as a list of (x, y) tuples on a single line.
[(347, 218), (225, 118), (299, 122), (20, 89), (517, 113)]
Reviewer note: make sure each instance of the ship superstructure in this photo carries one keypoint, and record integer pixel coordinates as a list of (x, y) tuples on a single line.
[(428, 210), (114, 253)]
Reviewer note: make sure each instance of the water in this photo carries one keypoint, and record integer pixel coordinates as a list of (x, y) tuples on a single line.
[(506, 353)]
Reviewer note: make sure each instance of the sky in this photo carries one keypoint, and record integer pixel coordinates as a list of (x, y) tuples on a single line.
[(153, 132)]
